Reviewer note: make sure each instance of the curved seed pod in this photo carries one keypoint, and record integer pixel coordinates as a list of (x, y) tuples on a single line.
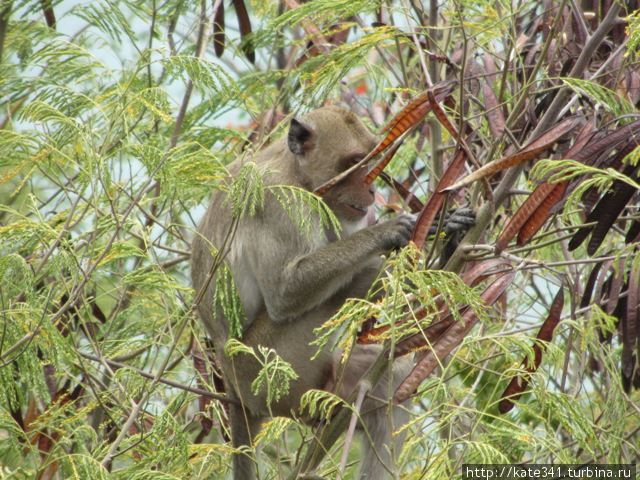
[(377, 169), (589, 286), (582, 139), (533, 213), (628, 362), (49, 14), (486, 268), (529, 206), (433, 206), (412, 201), (218, 30), (633, 304), (615, 288), (540, 215), (580, 236), (593, 149), (430, 335), (449, 340), (404, 120), (602, 283), (612, 207), (633, 233), (605, 213), (244, 23), (434, 331), (529, 152), (472, 277), (494, 113), (442, 116), (440, 91)]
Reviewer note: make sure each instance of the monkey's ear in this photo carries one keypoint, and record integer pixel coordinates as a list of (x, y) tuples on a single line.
[(300, 137)]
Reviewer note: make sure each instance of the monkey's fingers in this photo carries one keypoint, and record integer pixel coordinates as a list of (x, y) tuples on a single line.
[(460, 220), (466, 212)]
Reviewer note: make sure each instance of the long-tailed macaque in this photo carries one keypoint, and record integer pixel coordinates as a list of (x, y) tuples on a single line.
[(290, 283)]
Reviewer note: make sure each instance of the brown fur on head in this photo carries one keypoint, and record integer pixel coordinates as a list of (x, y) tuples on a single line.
[(345, 141)]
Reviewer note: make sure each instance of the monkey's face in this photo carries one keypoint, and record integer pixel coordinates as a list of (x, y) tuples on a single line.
[(327, 142), (350, 199)]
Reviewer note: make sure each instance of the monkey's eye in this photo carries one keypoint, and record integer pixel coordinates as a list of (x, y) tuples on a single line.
[(350, 161)]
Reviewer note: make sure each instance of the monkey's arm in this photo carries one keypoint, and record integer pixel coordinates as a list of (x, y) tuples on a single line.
[(296, 280)]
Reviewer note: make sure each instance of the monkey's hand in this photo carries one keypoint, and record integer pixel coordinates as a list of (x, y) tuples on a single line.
[(394, 234), (456, 226), (459, 221)]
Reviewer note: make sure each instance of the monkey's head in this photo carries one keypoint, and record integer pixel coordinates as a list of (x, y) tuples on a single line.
[(326, 142)]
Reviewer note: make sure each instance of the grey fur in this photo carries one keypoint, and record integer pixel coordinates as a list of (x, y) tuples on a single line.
[(290, 284)]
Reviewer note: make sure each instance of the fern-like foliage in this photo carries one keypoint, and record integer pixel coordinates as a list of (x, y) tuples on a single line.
[(246, 193), (227, 300), (320, 403), (602, 95), (595, 178), (115, 128), (275, 374), (305, 209)]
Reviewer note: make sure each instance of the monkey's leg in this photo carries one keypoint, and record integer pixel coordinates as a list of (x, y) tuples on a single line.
[(342, 381), (379, 418), (243, 428), (380, 447)]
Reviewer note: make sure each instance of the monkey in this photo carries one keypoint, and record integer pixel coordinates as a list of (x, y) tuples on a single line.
[(290, 283)]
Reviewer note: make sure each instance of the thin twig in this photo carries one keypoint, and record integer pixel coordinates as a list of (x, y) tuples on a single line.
[(364, 387), (171, 383)]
